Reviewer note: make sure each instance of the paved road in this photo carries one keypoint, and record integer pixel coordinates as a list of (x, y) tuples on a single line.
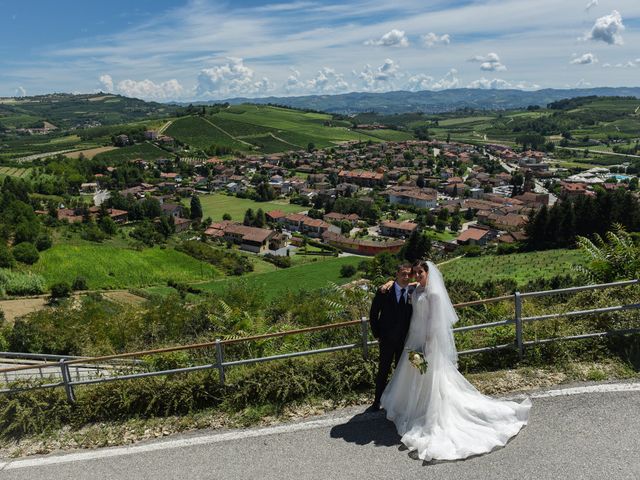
[(590, 432)]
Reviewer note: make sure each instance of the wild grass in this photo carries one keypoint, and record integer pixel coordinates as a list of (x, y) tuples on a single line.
[(106, 266), (520, 267), (216, 205)]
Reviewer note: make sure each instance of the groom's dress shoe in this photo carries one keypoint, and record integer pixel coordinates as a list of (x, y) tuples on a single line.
[(375, 407)]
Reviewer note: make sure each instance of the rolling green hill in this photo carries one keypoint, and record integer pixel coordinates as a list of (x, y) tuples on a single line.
[(269, 129), (66, 110)]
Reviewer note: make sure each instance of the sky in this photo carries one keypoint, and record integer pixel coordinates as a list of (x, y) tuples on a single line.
[(169, 50)]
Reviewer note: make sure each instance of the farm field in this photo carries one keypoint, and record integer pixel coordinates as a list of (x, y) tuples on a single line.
[(292, 126), (387, 135), (109, 267), (217, 204), (89, 153), (201, 133), (521, 267), (145, 151), (14, 172), (307, 276)]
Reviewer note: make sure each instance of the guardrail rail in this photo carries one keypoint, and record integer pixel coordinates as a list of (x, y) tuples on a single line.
[(63, 365)]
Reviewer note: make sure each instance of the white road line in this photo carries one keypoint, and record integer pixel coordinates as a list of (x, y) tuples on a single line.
[(280, 429)]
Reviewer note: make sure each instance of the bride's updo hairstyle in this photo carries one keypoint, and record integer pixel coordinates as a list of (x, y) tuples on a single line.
[(420, 263)]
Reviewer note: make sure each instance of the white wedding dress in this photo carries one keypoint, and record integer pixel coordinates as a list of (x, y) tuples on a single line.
[(440, 414)]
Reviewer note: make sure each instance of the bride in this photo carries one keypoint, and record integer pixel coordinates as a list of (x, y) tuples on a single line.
[(439, 414)]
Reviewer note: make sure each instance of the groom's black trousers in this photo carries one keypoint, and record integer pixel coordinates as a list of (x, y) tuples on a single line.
[(390, 352)]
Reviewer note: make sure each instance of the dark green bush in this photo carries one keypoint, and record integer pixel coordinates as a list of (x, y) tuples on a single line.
[(80, 283), (347, 271), (26, 252)]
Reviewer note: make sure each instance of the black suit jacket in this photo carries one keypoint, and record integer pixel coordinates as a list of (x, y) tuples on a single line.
[(390, 320)]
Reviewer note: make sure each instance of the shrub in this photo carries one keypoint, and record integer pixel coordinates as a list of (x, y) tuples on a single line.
[(92, 233), (60, 291), (80, 283), (231, 262), (6, 257), (347, 271), (44, 242), (277, 260), (26, 252)]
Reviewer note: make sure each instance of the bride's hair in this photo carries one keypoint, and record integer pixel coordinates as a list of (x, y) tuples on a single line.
[(420, 263)]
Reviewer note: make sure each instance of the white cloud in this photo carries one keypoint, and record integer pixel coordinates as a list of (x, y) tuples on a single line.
[(489, 63), (586, 59), (393, 38), (106, 83), (232, 78), (630, 64), (500, 84), (431, 39), (591, 4), (419, 82), (608, 29), (147, 89), (448, 81), (21, 92), (327, 80), (380, 78), (422, 81)]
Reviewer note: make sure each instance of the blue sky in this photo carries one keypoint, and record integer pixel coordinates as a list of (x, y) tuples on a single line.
[(206, 49)]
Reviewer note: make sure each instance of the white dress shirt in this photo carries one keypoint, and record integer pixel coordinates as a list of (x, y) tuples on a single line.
[(398, 291)]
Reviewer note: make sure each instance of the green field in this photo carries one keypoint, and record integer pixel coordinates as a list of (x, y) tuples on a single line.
[(14, 172), (216, 205), (144, 151), (387, 135), (202, 133), (307, 276), (271, 144), (107, 266), (269, 129), (521, 267)]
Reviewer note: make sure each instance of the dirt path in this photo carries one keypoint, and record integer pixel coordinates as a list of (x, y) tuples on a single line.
[(18, 307)]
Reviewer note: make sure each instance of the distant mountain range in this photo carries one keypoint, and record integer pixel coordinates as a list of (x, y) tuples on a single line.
[(435, 102)]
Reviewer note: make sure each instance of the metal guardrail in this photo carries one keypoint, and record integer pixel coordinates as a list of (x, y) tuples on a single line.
[(221, 365)]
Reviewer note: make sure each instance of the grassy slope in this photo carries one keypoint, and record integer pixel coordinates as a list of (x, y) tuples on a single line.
[(307, 276), (145, 151), (521, 267), (106, 266), (216, 205), (272, 129), (200, 133)]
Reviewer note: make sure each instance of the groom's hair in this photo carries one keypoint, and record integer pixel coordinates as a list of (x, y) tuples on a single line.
[(403, 266), (420, 263)]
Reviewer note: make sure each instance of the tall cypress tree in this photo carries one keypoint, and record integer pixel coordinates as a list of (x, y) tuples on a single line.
[(196, 208)]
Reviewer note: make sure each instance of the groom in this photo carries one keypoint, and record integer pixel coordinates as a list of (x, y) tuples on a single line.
[(389, 318)]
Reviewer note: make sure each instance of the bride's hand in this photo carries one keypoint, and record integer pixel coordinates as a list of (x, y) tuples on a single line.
[(385, 287)]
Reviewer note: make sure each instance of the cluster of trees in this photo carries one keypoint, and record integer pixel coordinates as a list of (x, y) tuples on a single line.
[(257, 219), (364, 208), (426, 218), (558, 226), (19, 225)]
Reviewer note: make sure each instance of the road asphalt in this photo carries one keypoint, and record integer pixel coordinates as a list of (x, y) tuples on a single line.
[(585, 432)]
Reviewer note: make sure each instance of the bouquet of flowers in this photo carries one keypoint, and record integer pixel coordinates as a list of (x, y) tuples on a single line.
[(417, 360)]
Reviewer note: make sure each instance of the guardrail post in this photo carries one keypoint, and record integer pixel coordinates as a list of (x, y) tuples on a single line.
[(66, 379), (518, 320), (364, 328), (220, 359)]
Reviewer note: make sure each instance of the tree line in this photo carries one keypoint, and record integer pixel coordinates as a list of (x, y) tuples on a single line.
[(559, 225)]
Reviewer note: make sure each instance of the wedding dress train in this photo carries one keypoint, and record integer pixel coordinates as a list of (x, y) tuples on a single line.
[(440, 414)]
